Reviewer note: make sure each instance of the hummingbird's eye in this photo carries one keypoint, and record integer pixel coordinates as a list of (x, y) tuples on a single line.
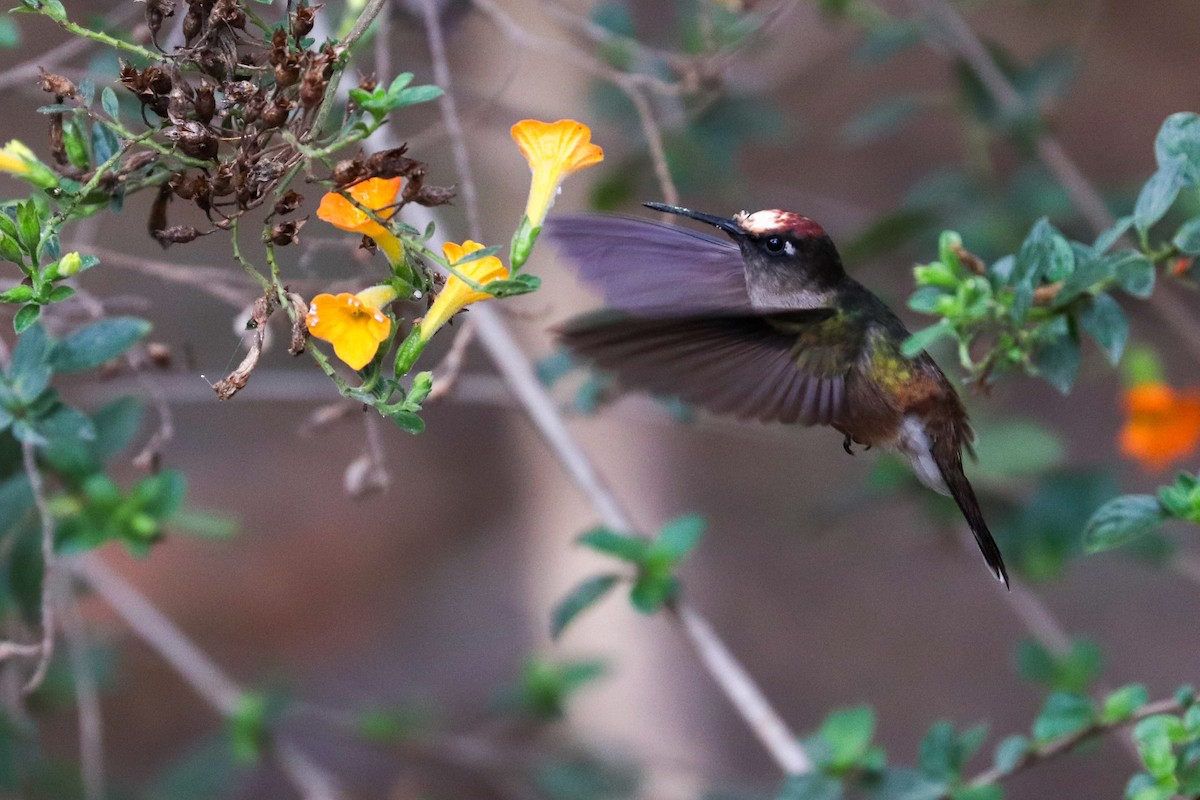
[(775, 244)]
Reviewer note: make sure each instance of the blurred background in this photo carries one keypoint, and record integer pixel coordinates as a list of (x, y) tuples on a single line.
[(831, 581)]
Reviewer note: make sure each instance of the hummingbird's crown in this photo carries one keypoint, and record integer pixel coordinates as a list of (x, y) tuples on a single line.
[(761, 223)]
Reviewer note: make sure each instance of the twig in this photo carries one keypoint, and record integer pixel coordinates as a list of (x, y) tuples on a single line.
[(445, 375), (73, 46), (1068, 743), (965, 44), (654, 142), (49, 565), (195, 667), (733, 680), (571, 56), (87, 695), (458, 143), (1038, 619)]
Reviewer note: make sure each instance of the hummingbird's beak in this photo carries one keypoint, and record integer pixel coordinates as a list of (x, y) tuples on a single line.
[(725, 224)]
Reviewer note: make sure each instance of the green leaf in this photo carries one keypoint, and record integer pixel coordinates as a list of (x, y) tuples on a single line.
[(1104, 319), (848, 733), (20, 293), (813, 786), (939, 755), (1154, 737), (1159, 193), (680, 536), (1121, 520), (1062, 715), (108, 101), (1056, 356), (1187, 238), (16, 501), (407, 421), (115, 424), (1120, 704), (417, 94), (59, 294), (1073, 671), (987, 792), (921, 340), (1112, 235), (248, 727), (1135, 273), (1179, 138), (10, 34), (25, 317), (651, 590), (578, 600), (625, 547), (1011, 752), (94, 344), (1043, 253)]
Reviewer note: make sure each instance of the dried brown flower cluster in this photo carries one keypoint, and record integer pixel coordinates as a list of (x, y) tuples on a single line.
[(236, 109)]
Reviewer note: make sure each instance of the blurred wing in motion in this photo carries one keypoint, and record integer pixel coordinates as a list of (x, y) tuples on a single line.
[(641, 265), (784, 367)]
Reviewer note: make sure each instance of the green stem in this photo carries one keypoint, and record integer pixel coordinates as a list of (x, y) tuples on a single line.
[(104, 38), (249, 268)]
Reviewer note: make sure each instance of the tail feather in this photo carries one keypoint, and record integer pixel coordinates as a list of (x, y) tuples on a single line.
[(960, 489)]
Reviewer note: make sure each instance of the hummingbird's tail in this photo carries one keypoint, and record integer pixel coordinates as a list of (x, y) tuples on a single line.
[(950, 465)]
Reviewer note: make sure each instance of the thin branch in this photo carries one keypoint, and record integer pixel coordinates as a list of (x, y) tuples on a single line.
[(731, 677), (49, 565), (197, 669), (654, 142), (1068, 743), (1038, 619), (458, 141), (964, 44)]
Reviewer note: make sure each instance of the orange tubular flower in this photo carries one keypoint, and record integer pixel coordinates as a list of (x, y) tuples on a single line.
[(376, 194), (353, 323), (1162, 425), (554, 150), (457, 294)]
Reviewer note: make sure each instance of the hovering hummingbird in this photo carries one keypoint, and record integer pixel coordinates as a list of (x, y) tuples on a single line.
[(766, 326)]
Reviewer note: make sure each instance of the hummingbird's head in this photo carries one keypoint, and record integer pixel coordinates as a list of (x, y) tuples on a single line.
[(790, 261)]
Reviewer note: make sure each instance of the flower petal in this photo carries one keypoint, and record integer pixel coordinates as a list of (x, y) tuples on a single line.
[(377, 194), (457, 294), (354, 327), (554, 150)]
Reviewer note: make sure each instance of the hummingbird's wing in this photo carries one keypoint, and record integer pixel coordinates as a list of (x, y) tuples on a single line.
[(782, 367), (643, 265)]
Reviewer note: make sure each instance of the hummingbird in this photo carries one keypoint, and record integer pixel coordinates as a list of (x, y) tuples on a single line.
[(766, 325)]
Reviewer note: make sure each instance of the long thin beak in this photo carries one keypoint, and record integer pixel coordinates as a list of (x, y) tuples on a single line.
[(727, 225)]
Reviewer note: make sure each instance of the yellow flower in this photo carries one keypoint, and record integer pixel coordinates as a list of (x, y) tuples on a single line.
[(353, 323), (1162, 425), (377, 194), (554, 150), (17, 159), (456, 294)]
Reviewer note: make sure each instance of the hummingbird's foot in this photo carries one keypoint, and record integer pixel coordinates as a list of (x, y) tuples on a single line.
[(849, 440)]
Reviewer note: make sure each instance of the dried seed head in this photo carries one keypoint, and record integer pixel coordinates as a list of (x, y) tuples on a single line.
[(56, 85), (286, 233), (348, 171), (176, 234), (434, 195), (205, 102), (289, 202), (302, 20)]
